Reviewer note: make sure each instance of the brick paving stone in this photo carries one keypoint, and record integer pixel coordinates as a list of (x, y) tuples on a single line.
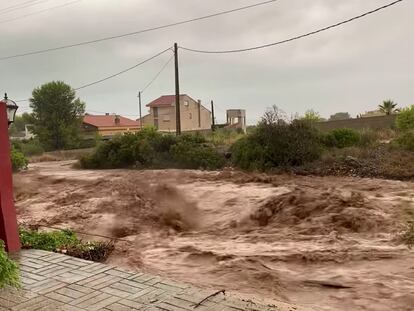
[(87, 297), (36, 304), (54, 258), (91, 300), (143, 278), (143, 292), (134, 284), (125, 288), (102, 303), (166, 287), (80, 288), (130, 303), (116, 292), (119, 273), (119, 307), (59, 297), (71, 277), (104, 281), (58, 282), (70, 308), (71, 293)]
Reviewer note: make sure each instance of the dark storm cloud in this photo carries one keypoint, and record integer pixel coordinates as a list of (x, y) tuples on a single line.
[(352, 68)]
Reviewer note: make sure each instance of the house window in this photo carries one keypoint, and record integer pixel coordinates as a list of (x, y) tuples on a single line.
[(166, 118), (190, 115), (186, 103)]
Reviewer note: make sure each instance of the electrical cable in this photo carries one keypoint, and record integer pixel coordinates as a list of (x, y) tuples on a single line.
[(122, 71), (138, 31), (157, 75), (17, 5), (39, 12), (294, 38), (2, 12), (112, 75)]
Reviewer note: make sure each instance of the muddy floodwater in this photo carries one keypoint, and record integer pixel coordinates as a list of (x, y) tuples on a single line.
[(323, 243)]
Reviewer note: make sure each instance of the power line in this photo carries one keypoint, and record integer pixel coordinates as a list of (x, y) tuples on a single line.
[(40, 11), (17, 5), (157, 75), (138, 31), (31, 3), (297, 37), (122, 71), (112, 75)]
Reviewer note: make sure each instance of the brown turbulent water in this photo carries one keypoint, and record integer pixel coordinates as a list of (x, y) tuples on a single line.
[(324, 243)]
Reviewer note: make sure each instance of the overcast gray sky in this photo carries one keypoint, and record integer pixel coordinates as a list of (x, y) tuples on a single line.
[(352, 68)]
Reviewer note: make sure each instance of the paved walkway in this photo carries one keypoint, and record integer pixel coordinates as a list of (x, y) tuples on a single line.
[(58, 282)]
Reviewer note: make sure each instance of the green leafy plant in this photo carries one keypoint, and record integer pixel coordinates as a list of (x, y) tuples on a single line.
[(65, 242), (9, 271), (18, 160), (406, 140), (388, 107), (405, 119), (193, 152), (29, 147), (275, 144), (342, 138), (149, 148), (57, 115)]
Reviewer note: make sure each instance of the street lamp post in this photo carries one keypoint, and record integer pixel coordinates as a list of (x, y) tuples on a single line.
[(8, 221)]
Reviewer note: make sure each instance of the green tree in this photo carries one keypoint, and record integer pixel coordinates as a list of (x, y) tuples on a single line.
[(405, 119), (311, 116), (340, 116), (57, 115), (388, 107)]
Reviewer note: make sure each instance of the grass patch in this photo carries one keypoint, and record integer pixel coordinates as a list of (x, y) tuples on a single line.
[(9, 271), (65, 242)]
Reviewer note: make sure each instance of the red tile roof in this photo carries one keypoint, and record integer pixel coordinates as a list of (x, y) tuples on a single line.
[(109, 121), (164, 101)]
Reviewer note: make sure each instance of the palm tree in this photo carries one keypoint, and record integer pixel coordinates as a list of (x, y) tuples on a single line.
[(388, 107)]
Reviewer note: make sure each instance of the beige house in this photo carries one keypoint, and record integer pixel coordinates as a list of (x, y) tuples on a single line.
[(194, 116), (374, 113)]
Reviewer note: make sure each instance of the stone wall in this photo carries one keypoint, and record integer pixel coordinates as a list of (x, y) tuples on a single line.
[(381, 122)]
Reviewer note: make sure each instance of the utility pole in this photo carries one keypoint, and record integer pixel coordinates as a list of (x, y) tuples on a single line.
[(213, 126), (140, 110), (177, 92)]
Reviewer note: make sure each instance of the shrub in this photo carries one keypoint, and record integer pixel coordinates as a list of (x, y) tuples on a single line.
[(368, 138), (277, 144), (342, 138), (405, 119), (149, 148), (9, 271), (65, 242), (29, 147), (406, 140), (192, 152), (18, 160), (248, 154)]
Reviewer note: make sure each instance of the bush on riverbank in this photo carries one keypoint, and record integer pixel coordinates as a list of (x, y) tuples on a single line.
[(151, 149), (9, 271)]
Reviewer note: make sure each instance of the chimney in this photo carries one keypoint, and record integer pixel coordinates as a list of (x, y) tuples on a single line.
[(199, 113), (107, 114), (117, 120)]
